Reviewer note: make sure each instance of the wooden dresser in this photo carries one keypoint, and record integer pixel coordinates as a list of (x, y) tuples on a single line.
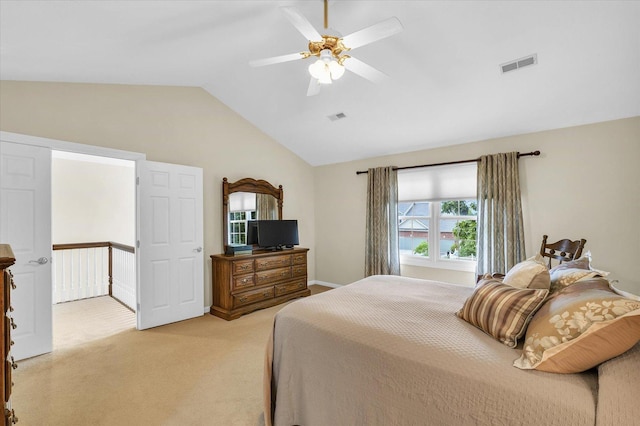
[(242, 284), (6, 279)]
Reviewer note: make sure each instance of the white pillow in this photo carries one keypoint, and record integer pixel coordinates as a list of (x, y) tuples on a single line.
[(530, 273)]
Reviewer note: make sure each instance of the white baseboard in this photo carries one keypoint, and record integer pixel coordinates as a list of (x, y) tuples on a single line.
[(326, 284)]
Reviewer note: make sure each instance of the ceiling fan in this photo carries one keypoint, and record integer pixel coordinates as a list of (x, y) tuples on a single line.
[(330, 50)]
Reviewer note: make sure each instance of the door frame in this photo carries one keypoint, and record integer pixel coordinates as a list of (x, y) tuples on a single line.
[(58, 145)]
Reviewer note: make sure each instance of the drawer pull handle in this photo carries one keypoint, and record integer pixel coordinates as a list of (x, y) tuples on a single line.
[(10, 308), (266, 294), (13, 285), (243, 299), (13, 324), (10, 415), (14, 365), (12, 343)]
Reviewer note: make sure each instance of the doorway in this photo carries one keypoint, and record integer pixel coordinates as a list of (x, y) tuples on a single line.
[(93, 235)]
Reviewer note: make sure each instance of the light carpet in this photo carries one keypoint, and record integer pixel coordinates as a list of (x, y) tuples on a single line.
[(203, 371)]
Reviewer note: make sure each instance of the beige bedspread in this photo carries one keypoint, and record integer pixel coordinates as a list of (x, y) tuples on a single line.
[(390, 351)]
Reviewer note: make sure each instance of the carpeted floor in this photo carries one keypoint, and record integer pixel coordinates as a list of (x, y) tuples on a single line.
[(203, 371)]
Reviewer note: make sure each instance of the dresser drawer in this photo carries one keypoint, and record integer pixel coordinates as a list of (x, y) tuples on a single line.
[(242, 266), (299, 270), (299, 258), (7, 336), (252, 296), (7, 288), (243, 281), (290, 287), (272, 262), (7, 380), (273, 275)]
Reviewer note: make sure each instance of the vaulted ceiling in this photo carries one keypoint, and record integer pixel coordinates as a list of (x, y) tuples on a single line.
[(445, 82)]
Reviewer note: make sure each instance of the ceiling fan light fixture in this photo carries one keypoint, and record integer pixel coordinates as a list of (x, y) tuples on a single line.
[(336, 69), (326, 69), (319, 71)]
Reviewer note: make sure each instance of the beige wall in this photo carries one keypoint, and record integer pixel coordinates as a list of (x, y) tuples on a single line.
[(92, 202), (586, 184), (182, 125)]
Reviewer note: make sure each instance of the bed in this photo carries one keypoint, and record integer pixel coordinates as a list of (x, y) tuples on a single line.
[(389, 350)]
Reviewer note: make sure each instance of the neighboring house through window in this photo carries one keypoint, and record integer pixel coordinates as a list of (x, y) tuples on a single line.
[(437, 212)]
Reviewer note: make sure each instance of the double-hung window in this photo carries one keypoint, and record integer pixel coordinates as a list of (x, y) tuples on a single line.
[(437, 212), (242, 208)]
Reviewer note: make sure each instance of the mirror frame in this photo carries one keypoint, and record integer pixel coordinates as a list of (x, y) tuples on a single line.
[(257, 186)]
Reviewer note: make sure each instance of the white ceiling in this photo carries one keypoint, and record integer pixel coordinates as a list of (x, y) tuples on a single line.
[(445, 87)]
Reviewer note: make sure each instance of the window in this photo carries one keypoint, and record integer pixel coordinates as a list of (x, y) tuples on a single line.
[(437, 214), (238, 225)]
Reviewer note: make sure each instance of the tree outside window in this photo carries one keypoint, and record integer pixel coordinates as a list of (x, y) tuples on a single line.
[(463, 233)]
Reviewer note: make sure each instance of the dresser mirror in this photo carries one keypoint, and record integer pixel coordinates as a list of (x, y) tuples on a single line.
[(244, 200)]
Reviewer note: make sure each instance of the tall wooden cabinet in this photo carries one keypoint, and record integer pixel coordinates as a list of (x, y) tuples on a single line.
[(6, 279), (243, 284)]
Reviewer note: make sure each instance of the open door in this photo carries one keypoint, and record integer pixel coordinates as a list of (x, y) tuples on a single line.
[(25, 223), (170, 236)]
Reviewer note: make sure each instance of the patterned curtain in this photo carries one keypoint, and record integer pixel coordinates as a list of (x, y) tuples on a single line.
[(500, 228), (266, 206), (381, 253)]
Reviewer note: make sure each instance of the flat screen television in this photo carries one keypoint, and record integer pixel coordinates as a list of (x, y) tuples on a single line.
[(252, 232), (276, 234)]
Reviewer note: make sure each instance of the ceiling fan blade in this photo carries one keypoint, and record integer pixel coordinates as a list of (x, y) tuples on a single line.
[(301, 23), (375, 32), (365, 71), (276, 59), (314, 87)]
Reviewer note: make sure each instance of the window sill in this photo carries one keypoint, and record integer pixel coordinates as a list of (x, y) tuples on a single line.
[(454, 265)]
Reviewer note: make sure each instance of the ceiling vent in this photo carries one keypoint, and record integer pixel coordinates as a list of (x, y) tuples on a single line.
[(519, 63), (338, 116)]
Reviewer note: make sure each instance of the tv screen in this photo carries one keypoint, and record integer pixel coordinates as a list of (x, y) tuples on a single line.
[(252, 232), (277, 233)]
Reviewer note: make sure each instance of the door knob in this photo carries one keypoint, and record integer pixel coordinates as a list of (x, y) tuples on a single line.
[(199, 249), (41, 261)]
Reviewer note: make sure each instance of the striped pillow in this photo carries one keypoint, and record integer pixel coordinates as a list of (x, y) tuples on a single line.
[(502, 311)]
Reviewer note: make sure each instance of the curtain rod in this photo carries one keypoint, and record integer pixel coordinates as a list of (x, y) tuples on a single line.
[(475, 160)]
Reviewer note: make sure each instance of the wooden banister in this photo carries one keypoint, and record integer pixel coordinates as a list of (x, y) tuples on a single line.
[(110, 244)]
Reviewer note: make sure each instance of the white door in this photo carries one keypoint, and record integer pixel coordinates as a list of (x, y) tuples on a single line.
[(171, 281), (25, 223)]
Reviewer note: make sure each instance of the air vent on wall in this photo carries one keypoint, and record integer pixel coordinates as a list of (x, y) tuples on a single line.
[(519, 63), (338, 116)]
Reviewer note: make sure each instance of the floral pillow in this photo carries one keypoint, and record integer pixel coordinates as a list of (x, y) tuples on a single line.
[(579, 327), (530, 273), (502, 311)]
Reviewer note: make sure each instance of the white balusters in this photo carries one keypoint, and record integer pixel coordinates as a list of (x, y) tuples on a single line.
[(124, 277)]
